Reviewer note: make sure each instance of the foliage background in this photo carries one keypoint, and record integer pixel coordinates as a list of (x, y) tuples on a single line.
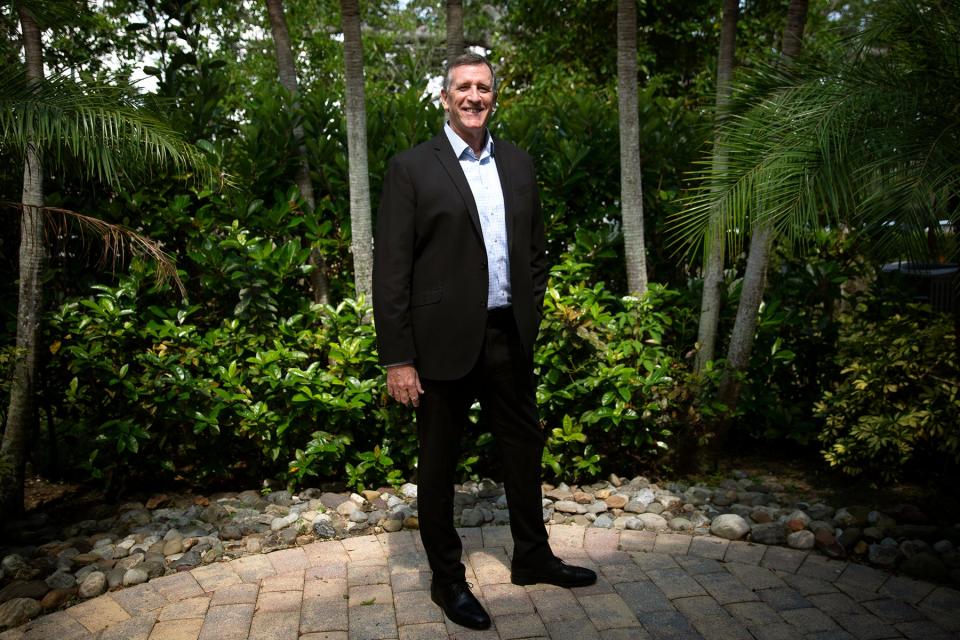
[(247, 379)]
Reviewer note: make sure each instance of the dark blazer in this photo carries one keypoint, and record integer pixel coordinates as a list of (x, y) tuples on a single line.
[(430, 264)]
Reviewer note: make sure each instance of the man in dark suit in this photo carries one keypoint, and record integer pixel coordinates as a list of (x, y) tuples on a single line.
[(459, 277)]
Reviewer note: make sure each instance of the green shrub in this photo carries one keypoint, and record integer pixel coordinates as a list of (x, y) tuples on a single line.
[(897, 403), (615, 392)]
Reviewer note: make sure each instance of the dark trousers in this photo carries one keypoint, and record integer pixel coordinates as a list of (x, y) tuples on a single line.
[(503, 381)]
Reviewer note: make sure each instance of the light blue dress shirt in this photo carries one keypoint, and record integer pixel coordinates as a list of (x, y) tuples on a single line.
[(484, 181)]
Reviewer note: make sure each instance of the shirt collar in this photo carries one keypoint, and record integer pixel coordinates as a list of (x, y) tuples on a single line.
[(460, 146)]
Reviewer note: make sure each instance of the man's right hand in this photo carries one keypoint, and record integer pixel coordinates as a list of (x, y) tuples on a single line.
[(403, 384)]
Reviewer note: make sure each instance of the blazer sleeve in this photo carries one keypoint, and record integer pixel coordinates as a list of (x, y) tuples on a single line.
[(539, 268), (393, 266)]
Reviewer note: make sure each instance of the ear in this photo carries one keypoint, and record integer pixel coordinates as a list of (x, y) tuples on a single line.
[(443, 99)]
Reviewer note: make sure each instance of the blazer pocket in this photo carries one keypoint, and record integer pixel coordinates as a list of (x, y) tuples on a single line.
[(430, 296)]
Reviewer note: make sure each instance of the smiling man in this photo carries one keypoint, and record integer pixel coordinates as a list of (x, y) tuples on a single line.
[(459, 277)]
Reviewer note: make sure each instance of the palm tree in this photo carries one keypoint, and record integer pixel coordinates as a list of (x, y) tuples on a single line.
[(56, 123), (713, 247), (455, 40), (288, 78), (361, 233), (859, 139), (631, 190), (758, 257)]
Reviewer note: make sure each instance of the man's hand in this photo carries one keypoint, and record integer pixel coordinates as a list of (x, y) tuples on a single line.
[(403, 384)]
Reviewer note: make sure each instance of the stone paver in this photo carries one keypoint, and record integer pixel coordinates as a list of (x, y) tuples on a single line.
[(608, 611), (651, 586)]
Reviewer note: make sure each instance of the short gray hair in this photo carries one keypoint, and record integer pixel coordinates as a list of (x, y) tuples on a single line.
[(467, 60)]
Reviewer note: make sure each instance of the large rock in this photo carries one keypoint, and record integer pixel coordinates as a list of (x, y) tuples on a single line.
[(653, 522), (616, 501), (57, 598), (15, 612), (729, 526), (325, 531), (134, 576), (883, 555), (827, 543), (60, 580), (15, 566), (770, 533), (569, 506), (798, 521), (33, 589), (216, 512), (93, 585), (802, 539), (849, 537), (855, 516)]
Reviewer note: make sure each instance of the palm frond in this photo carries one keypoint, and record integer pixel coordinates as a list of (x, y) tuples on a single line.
[(116, 241), (105, 132), (869, 138)]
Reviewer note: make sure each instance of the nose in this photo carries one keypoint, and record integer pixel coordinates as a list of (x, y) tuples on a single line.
[(474, 93)]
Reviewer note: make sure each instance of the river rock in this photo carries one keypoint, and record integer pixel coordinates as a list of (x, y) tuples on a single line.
[(324, 530), (653, 522), (883, 555), (17, 567), (134, 576), (603, 521), (15, 612), (771, 533), (60, 580), (569, 506), (282, 498), (820, 511), (93, 585), (729, 526), (849, 537), (33, 589), (616, 501), (392, 525), (680, 524), (471, 518), (56, 598), (827, 543), (802, 539), (797, 521)]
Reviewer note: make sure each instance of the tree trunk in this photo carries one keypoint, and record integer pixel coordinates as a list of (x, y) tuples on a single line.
[(22, 403), (361, 234), (754, 280), (455, 40), (631, 190), (288, 78), (714, 246)]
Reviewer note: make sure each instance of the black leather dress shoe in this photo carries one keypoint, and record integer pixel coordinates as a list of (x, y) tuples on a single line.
[(555, 572), (460, 605)]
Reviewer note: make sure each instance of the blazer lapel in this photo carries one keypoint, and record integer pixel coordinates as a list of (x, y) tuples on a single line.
[(504, 169), (451, 164)]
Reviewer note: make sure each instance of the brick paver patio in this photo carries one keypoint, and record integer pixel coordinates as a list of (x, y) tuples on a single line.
[(650, 585)]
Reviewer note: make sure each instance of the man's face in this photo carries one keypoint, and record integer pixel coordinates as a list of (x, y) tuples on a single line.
[(470, 100)]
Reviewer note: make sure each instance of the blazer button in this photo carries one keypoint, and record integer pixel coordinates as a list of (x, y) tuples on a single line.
[(483, 265)]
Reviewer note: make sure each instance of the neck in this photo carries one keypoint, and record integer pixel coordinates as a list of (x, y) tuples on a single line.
[(474, 140)]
